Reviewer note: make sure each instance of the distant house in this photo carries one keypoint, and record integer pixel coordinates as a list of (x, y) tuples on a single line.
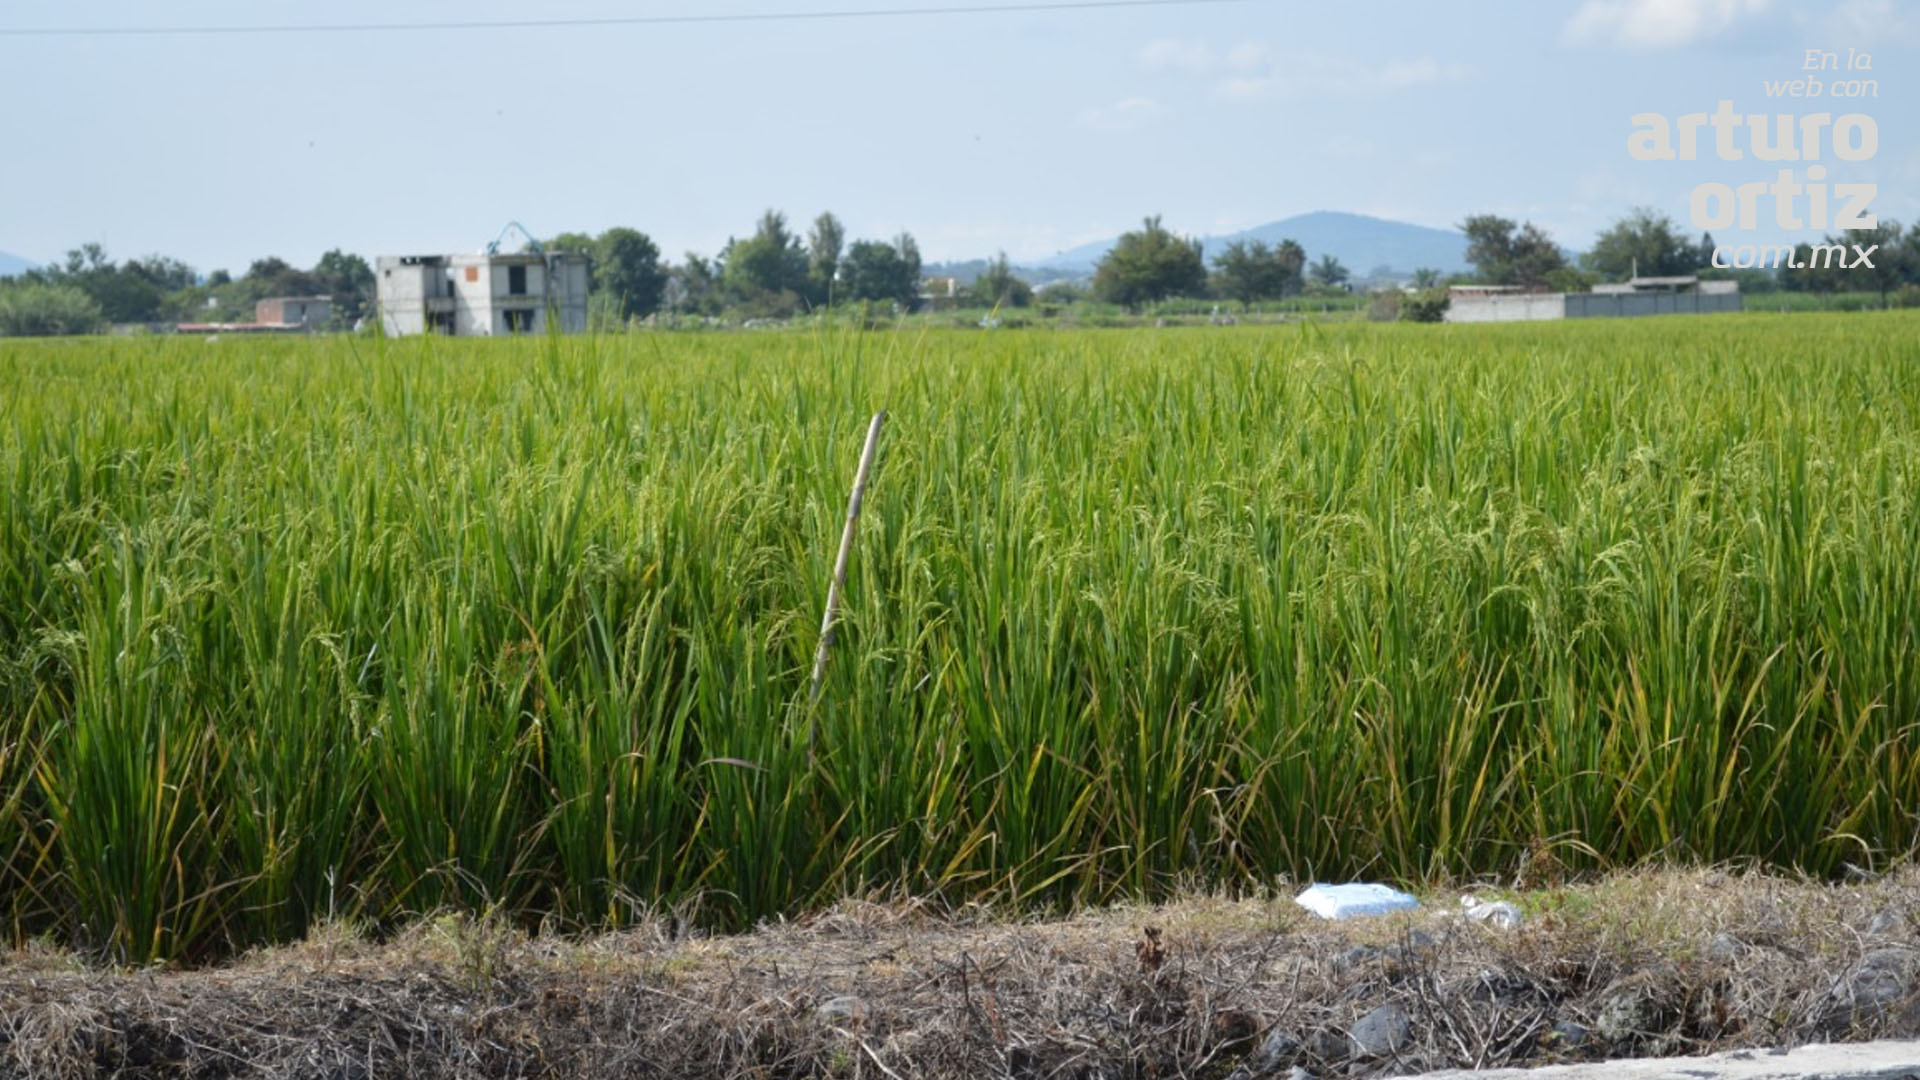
[(275, 315), (307, 312), (1684, 283), (939, 293), (1684, 295), (482, 295)]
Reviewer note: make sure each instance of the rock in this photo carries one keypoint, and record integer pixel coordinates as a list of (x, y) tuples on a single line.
[(1501, 987), (1567, 1035), (1883, 979), (1895, 958), (1411, 951), (1279, 1045), (1277, 1049), (1354, 959), (1385, 1030), (1889, 922), (1327, 1045), (1632, 1010), (843, 1008), (1725, 948)]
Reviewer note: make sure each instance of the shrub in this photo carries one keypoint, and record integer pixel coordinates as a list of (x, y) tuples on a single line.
[(48, 311), (1427, 305)]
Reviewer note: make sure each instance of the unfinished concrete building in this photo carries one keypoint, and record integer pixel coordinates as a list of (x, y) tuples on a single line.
[(482, 295)]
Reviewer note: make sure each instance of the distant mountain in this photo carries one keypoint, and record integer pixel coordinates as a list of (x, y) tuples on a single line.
[(969, 270), (14, 264), (1361, 243)]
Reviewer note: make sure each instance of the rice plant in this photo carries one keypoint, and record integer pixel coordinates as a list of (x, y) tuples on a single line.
[(347, 628)]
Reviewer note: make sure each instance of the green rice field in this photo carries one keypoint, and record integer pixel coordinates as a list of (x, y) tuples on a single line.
[(295, 630)]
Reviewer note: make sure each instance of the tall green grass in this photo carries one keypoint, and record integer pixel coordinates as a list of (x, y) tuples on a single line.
[(292, 630)]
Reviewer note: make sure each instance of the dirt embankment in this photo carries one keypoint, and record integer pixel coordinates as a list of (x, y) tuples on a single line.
[(1645, 964)]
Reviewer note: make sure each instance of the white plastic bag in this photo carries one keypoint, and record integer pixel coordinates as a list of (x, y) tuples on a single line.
[(1353, 900), (1498, 913)]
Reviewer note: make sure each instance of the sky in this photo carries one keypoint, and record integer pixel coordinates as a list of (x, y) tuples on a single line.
[(1028, 132)]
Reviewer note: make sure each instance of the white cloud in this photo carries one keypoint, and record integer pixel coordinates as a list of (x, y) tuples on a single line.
[(1172, 54), (1656, 24), (1248, 56), (1859, 23), (1249, 71), (1126, 114), (1425, 71), (1199, 58), (1323, 76)]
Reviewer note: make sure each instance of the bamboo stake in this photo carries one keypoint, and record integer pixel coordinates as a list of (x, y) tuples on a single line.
[(840, 567)]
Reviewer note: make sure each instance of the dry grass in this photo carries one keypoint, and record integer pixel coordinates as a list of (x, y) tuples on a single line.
[(1205, 987)]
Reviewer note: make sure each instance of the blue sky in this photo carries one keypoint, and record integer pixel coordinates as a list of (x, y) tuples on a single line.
[(1027, 132)]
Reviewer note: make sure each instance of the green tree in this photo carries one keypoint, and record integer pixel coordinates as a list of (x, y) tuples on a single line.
[(40, 310), (1569, 278), (1150, 264), (578, 243), (1645, 241), (1248, 271), (1328, 273), (768, 270), (124, 294), (1506, 253), (1834, 264), (1425, 305), (910, 257), (695, 286), (1894, 262), (1060, 292), (998, 287), (1240, 272), (349, 281), (274, 276), (1426, 277), (628, 272), (167, 273), (875, 270), (825, 245)]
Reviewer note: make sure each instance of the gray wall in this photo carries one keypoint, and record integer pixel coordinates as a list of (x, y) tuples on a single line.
[(1518, 307), (1618, 305)]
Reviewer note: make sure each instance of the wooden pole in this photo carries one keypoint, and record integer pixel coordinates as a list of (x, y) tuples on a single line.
[(840, 567)]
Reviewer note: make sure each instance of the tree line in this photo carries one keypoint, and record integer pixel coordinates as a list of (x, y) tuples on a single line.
[(776, 272), (772, 273), (89, 291), (1650, 244)]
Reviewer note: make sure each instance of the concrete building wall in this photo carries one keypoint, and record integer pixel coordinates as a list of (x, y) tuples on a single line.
[(1507, 307), (473, 294), (472, 278), (307, 311), (1627, 305), (570, 278), (1518, 307), (406, 286)]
